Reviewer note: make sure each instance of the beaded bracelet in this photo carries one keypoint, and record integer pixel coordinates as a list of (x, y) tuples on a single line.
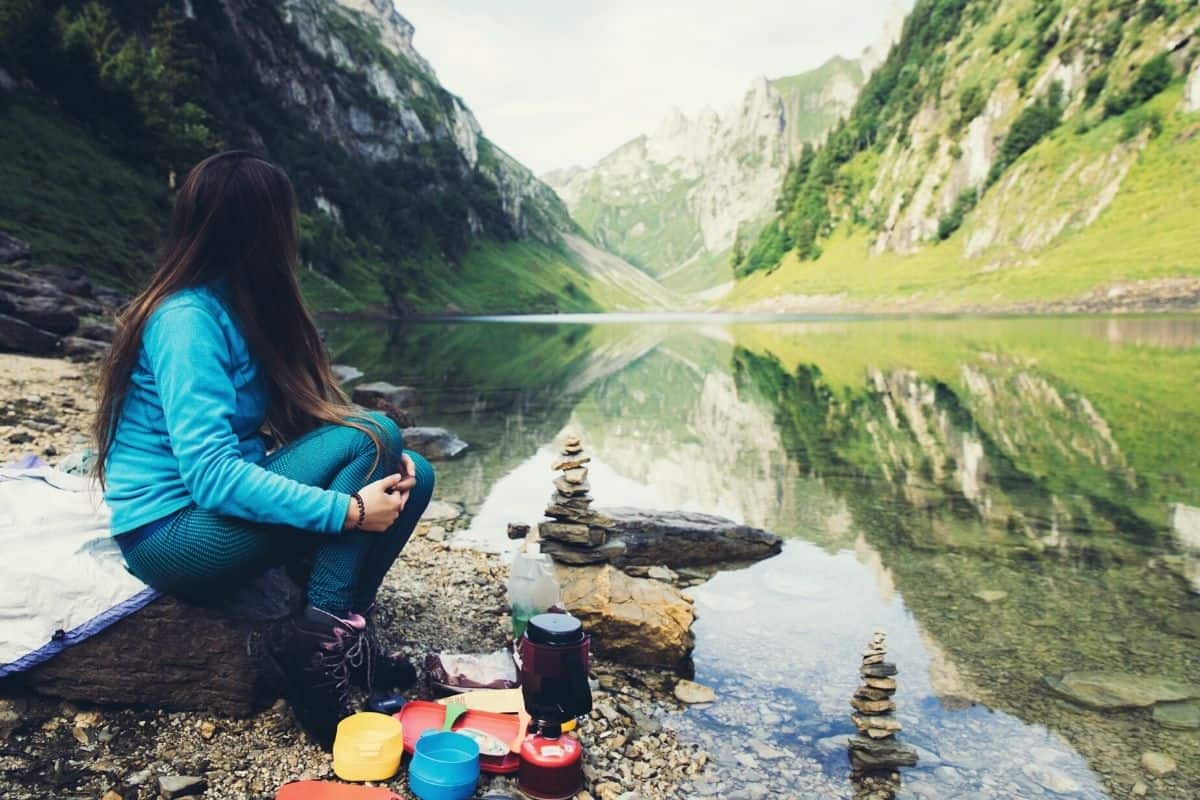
[(362, 511)]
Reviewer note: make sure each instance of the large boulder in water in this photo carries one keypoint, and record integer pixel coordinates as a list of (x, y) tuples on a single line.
[(381, 396), (631, 620), (177, 656), (685, 538), (436, 444)]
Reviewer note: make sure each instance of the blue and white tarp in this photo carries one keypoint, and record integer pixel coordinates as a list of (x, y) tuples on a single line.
[(62, 577)]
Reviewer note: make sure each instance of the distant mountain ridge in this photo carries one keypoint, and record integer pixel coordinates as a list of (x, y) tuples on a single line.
[(675, 202)]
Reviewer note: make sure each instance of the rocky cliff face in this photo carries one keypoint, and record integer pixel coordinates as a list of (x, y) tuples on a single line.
[(673, 201), (404, 202), (382, 98)]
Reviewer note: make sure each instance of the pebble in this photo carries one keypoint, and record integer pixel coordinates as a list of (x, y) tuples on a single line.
[(691, 692), (173, 786)]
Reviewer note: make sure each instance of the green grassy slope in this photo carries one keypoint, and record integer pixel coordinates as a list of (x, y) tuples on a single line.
[(1102, 195), (77, 203), (70, 198)]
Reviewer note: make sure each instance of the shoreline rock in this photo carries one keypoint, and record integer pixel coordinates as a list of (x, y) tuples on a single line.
[(42, 304), (177, 656), (637, 621), (686, 538)]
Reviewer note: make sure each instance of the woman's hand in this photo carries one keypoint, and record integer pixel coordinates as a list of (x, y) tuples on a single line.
[(384, 500)]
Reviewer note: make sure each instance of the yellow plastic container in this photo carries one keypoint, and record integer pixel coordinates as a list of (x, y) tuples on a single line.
[(368, 747)]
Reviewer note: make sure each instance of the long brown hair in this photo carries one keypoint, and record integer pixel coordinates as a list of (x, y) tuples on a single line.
[(235, 222)]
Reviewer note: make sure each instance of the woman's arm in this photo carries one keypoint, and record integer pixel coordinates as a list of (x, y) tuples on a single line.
[(192, 367)]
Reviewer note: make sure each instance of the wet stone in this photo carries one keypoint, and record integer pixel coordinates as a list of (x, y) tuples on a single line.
[(880, 723), (581, 516), (872, 706), (570, 462), (571, 489), (172, 786), (1158, 764), (570, 554), (572, 533), (881, 670), (570, 501), (690, 692), (870, 754), (1182, 716)]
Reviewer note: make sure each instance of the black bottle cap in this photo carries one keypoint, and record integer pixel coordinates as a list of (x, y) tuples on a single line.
[(554, 629)]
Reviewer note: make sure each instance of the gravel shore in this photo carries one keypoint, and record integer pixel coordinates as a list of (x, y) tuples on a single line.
[(435, 599)]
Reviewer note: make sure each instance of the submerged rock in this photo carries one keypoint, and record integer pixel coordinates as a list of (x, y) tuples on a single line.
[(691, 693), (1117, 690), (871, 754), (1181, 716), (1158, 764), (631, 620)]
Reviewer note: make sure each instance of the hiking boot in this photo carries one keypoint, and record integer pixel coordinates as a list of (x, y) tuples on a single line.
[(381, 670), (316, 653)]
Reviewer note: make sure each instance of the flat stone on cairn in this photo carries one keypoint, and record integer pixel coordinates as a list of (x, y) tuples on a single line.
[(875, 747), (575, 534)]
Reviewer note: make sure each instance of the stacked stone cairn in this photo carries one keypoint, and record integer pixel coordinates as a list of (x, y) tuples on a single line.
[(575, 534), (874, 748)]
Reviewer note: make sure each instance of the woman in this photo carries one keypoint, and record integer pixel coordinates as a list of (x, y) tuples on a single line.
[(213, 359)]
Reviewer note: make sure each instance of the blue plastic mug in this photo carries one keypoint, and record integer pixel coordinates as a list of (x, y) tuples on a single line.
[(444, 766)]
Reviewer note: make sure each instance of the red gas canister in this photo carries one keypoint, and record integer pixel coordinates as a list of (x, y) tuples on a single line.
[(551, 765)]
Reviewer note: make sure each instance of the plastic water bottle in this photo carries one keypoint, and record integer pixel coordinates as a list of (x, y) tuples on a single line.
[(532, 586)]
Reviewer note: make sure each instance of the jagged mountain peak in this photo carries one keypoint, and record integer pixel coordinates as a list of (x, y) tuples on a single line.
[(395, 30), (673, 201)]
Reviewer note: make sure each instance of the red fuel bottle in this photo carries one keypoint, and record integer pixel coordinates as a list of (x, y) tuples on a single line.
[(551, 764)]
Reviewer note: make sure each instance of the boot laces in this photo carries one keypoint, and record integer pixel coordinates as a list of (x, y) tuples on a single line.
[(336, 658)]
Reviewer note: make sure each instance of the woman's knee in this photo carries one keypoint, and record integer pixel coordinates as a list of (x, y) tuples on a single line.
[(425, 476), (384, 435)]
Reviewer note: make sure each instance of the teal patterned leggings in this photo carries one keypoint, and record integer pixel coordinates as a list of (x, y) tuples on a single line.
[(201, 554)]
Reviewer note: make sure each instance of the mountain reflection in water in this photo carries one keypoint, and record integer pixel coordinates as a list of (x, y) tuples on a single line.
[(1008, 498)]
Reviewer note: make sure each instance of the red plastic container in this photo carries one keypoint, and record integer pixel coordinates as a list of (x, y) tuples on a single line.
[(419, 716), (551, 768)]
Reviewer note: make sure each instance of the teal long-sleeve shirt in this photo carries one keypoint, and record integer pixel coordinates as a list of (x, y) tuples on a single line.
[(189, 429)]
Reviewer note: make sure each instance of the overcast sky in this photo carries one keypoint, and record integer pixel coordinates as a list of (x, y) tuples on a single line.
[(562, 82)]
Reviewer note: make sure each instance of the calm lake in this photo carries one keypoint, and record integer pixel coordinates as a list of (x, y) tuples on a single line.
[(1010, 499)]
